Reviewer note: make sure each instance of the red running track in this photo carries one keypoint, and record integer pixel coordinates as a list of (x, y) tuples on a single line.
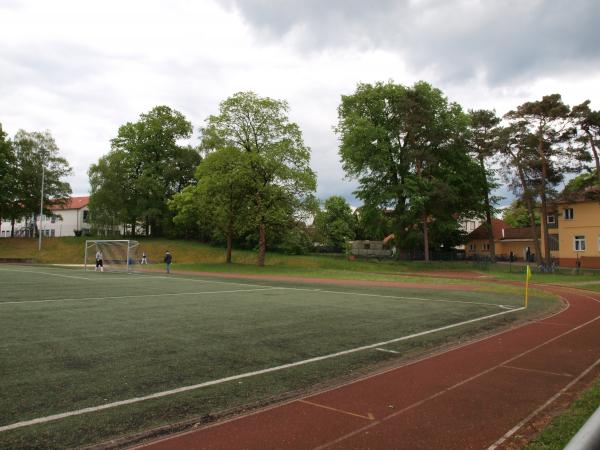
[(471, 397)]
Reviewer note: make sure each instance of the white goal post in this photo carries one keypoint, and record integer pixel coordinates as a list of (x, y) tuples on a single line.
[(117, 255)]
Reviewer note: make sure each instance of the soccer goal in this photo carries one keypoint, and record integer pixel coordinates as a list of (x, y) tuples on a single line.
[(117, 255)]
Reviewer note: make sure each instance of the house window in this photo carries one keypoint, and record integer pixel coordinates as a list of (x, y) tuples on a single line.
[(86, 216), (472, 246), (485, 247), (52, 233), (53, 219), (551, 220), (579, 243), (47, 232), (569, 213)]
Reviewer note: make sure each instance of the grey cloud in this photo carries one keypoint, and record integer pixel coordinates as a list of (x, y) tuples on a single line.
[(501, 41)]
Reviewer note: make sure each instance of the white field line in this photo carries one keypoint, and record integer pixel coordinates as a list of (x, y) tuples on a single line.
[(133, 277), (136, 296), (386, 350), (259, 287), (78, 412), (404, 298), (45, 273), (281, 287)]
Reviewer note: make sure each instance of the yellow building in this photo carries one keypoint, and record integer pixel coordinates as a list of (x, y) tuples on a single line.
[(574, 229), (507, 241)]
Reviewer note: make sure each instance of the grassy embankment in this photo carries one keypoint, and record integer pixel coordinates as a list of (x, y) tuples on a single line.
[(194, 256)]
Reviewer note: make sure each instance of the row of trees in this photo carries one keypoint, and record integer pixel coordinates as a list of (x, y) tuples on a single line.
[(424, 162), (248, 179), (22, 159)]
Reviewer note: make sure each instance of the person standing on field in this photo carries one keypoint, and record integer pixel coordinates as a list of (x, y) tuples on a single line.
[(168, 259), (144, 258), (99, 262)]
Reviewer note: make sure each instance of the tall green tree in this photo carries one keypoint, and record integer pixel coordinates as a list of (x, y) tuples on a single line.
[(484, 144), (7, 171), (113, 200), (34, 150), (152, 165), (406, 146), (521, 170), (549, 121), (335, 222), (222, 198), (516, 215), (282, 181), (588, 123)]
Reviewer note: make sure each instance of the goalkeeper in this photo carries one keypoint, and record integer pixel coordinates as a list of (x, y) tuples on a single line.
[(99, 262)]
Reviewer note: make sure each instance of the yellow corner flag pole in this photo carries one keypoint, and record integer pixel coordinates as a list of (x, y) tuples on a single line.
[(527, 278)]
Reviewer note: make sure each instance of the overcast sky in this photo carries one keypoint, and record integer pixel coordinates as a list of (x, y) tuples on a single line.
[(83, 68)]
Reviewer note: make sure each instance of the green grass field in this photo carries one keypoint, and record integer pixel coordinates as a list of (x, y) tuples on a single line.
[(71, 339)]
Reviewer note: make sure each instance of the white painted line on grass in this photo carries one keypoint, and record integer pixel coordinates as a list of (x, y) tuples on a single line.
[(386, 350), (136, 296), (78, 412), (439, 300), (45, 273)]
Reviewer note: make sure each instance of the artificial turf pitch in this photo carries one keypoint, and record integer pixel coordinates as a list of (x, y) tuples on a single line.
[(71, 340)]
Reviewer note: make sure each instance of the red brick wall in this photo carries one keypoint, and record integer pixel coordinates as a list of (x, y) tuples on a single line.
[(587, 262)]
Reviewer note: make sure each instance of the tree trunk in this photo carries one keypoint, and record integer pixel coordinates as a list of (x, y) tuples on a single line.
[(488, 212), (426, 240), (595, 153), (12, 227), (229, 243), (262, 245), (529, 204), (543, 201)]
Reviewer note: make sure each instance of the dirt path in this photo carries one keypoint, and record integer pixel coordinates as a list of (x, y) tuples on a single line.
[(477, 396)]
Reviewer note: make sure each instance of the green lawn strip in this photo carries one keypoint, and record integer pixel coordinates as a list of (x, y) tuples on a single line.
[(562, 429), (211, 258), (62, 356)]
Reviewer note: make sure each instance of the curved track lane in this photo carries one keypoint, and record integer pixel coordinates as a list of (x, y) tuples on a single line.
[(475, 396)]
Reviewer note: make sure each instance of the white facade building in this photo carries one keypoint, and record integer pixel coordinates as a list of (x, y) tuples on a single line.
[(66, 220)]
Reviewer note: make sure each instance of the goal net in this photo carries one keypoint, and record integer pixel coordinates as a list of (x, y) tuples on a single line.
[(117, 255)]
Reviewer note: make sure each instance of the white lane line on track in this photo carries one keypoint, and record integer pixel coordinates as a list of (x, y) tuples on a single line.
[(136, 296), (457, 385), (518, 426), (525, 369), (78, 412)]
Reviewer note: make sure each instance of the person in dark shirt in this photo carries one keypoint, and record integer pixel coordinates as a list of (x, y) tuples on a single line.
[(168, 259)]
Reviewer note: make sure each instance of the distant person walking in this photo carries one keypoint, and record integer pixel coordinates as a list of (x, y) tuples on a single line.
[(168, 259), (144, 258), (99, 262)]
